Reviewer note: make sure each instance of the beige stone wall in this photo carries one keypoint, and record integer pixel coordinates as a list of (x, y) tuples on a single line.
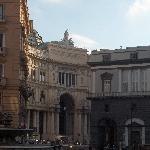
[(10, 26)]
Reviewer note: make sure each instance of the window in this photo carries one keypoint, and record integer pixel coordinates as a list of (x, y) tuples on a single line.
[(134, 80), (125, 81), (63, 78), (106, 57), (73, 79), (33, 74), (106, 82), (33, 94), (1, 39), (60, 78), (42, 96), (42, 76), (134, 55), (143, 80), (107, 86), (1, 70), (1, 12), (69, 79)]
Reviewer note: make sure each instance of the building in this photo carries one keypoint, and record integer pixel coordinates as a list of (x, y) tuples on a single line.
[(120, 98), (58, 77), (14, 28)]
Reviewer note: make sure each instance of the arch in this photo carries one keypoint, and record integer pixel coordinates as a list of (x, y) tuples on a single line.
[(138, 122), (66, 114)]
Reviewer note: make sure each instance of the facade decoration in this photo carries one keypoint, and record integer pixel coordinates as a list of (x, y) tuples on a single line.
[(120, 96), (66, 41), (59, 83)]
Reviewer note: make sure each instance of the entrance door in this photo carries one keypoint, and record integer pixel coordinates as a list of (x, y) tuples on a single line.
[(107, 133), (136, 137), (66, 115)]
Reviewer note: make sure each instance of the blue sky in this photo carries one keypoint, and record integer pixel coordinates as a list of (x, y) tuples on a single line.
[(93, 24)]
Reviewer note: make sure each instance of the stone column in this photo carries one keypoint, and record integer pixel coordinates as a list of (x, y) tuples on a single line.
[(34, 118), (85, 125), (44, 123), (129, 80), (139, 81), (119, 80), (28, 119), (93, 82), (37, 120), (49, 124), (57, 123), (52, 124), (79, 125)]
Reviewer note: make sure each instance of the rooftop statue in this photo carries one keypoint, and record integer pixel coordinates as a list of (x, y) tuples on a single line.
[(66, 40)]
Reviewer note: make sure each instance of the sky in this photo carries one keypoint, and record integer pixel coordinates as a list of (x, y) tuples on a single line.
[(93, 24)]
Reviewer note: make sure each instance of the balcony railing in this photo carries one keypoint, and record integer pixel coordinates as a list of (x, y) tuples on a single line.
[(3, 51), (107, 94), (2, 81)]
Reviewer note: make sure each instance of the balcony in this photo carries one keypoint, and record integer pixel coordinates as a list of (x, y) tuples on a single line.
[(2, 51), (2, 81), (119, 94)]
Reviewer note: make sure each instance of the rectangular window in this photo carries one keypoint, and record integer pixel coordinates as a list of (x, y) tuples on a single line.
[(125, 81), (1, 40), (63, 78), (73, 79), (134, 55), (134, 80), (1, 70), (107, 86), (33, 74), (69, 79), (43, 77), (1, 12), (143, 78), (125, 87), (106, 57), (60, 78)]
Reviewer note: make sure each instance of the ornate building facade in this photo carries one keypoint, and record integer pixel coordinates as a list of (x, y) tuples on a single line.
[(42, 85), (121, 98), (58, 77)]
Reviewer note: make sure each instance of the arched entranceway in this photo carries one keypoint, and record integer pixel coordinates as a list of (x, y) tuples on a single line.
[(134, 134), (66, 115), (107, 132)]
